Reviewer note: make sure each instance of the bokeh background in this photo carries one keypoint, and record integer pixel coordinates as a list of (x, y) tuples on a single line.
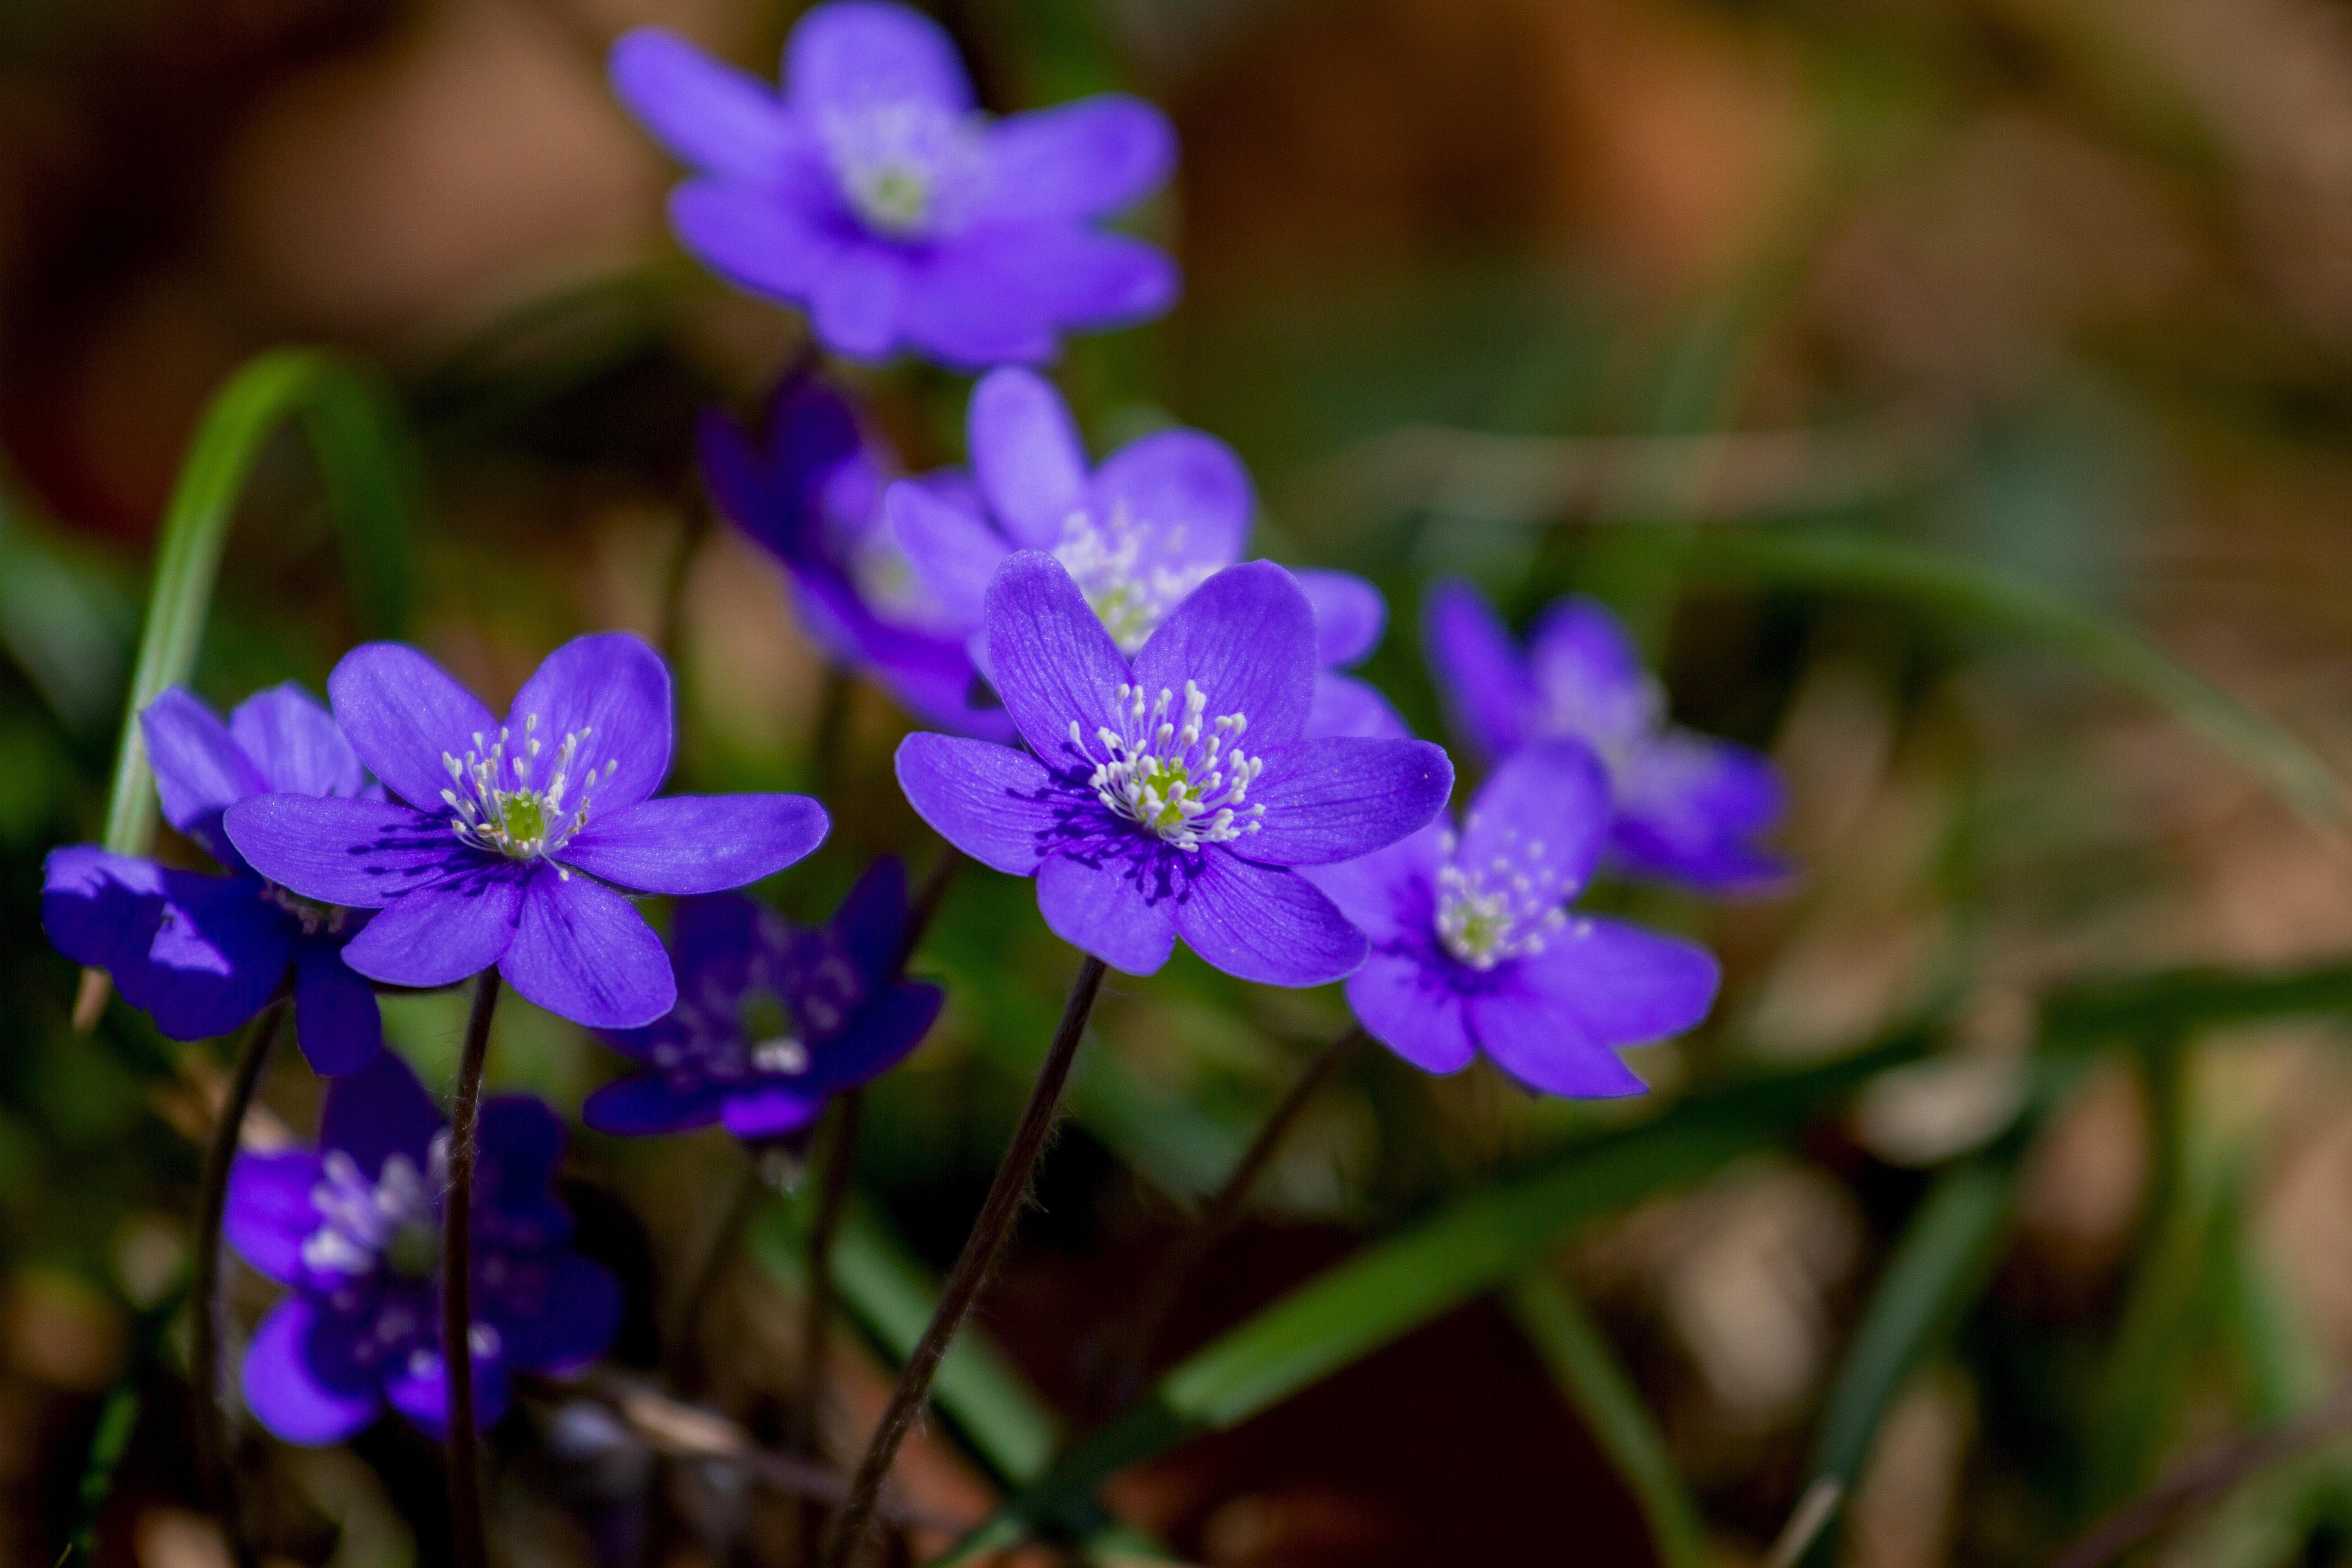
[(1934, 385)]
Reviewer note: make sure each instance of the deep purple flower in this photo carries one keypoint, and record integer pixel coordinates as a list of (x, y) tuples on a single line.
[(1689, 808), (1160, 517), (354, 1229), (772, 1021), (514, 835), (202, 955), (1472, 950), (812, 498), (1172, 795), (874, 195)]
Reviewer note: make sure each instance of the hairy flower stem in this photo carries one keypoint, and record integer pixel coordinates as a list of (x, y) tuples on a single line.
[(216, 1450), (817, 1303), (1006, 1195), (1132, 1355), (468, 1535)]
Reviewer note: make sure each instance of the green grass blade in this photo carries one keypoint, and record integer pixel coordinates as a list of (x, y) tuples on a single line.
[(362, 460), (1598, 1386), (1977, 595)]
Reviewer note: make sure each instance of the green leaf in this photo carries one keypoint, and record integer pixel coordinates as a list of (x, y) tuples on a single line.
[(1474, 1245), (1598, 1386), (362, 462), (1975, 594)]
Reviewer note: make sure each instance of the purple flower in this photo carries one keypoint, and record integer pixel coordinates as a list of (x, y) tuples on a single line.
[(202, 955), (354, 1229), (1471, 950), (812, 500), (1160, 517), (874, 195), (1688, 807), (1172, 794), (772, 1021), (514, 835)]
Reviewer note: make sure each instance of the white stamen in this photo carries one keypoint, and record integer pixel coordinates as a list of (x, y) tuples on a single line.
[(1160, 775)]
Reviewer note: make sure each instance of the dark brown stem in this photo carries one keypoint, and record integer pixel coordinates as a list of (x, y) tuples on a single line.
[(215, 1448), (1006, 1195), (686, 1350), (801, 1429), (470, 1537), (1133, 1355)]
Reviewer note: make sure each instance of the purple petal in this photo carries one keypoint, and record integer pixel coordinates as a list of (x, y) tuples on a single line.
[(1588, 673), (335, 1014), (1334, 800), (361, 854), (885, 1032), (612, 691), (968, 306), (645, 1103), (1075, 277), (1388, 895), (698, 843), (1539, 1042), (1266, 923), (1408, 1008), (200, 770), (1188, 491), (100, 909), (418, 1389), (285, 1395), (712, 115), (1248, 637), (1052, 661), (402, 714), (993, 802), (872, 920), (1479, 672), (751, 237), (1688, 806), (514, 1193), (219, 955), (1078, 160), (568, 1319), (951, 547), (1104, 907), (440, 934), (852, 55), (378, 1112), (1622, 985), (1026, 454), (583, 952), (770, 1110), (1345, 706), (854, 303), (1546, 806), (295, 744), (1349, 615), (269, 1213)]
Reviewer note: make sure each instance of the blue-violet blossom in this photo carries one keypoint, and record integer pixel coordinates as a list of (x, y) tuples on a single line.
[(1171, 794), (1160, 517), (1688, 807), (202, 955), (874, 194), (503, 839), (811, 496), (772, 1021), (355, 1230), (1472, 950)]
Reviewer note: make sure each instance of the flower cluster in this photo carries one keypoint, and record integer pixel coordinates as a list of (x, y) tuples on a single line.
[(871, 192), (353, 1230)]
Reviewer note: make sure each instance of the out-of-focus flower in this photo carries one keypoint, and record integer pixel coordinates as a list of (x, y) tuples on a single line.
[(772, 1021), (872, 192), (1172, 794), (511, 833), (1688, 808), (354, 1229), (1158, 519), (202, 955), (811, 496), (1472, 950)]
